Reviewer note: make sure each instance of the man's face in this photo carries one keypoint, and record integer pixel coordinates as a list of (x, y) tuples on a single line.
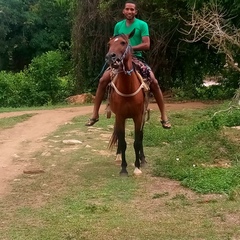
[(130, 11)]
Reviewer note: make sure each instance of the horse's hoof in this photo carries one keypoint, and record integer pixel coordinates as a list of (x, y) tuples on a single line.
[(143, 164), (124, 174), (137, 172)]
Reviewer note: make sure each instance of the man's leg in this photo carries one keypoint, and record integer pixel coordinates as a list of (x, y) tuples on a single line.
[(155, 89), (102, 85)]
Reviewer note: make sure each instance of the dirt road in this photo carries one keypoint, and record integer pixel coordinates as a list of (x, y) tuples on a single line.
[(20, 142)]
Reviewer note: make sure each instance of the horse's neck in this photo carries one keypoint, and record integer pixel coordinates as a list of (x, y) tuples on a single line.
[(128, 64), (127, 76)]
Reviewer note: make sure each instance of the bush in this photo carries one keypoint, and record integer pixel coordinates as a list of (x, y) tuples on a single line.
[(218, 92), (46, 81), (14, 89), (49, 74)]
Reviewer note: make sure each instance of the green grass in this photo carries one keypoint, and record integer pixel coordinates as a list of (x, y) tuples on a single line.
[(2, 109), (80, 196), (194, 150), (9, 122)]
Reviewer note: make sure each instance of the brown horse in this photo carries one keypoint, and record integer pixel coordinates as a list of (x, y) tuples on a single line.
[(126, 100)]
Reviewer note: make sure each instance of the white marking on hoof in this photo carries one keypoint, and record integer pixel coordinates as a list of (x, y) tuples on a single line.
[(137, 172), (118, 159)]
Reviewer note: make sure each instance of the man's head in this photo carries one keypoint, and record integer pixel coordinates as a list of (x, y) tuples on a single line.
[(130, 10)]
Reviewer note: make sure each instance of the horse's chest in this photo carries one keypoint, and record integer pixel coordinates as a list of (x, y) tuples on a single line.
[(128, 106)]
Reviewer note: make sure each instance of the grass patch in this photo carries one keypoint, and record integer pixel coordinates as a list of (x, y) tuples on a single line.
[(197, 151), (46, 107), (9, 122), (81, 196)]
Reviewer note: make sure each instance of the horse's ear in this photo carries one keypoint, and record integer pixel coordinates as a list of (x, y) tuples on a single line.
[(131, 33)]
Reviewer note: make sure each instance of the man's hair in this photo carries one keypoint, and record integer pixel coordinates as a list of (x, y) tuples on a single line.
[(131, 1)]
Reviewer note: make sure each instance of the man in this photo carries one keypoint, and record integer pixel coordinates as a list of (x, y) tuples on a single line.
[(139, 42)]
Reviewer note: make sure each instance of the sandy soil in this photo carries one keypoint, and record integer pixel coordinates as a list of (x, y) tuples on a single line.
[(20, 142)]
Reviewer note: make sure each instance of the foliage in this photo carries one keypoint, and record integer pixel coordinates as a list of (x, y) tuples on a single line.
[(176, 63), (32, 27), (218, 92), (45, 72), (46, 81), (90, 42), (14, 89), (197, 152)]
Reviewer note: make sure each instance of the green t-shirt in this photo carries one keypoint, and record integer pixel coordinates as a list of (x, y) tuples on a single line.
[(141, 30)]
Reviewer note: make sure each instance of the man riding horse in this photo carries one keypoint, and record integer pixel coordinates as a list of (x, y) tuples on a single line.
[(139, 42)]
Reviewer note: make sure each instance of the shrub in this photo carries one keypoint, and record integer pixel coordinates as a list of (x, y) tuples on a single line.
[(48, 73), (218, 92), (46, 81), (14, 89)]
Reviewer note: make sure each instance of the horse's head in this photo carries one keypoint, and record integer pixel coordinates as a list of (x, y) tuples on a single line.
[(118, 49)]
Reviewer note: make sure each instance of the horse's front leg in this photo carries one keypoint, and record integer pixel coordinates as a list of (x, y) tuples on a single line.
[(122, 146), (142, 155), (118, 159), (137, 147), (142, 158)]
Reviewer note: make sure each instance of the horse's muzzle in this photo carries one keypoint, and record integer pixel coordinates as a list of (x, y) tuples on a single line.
[(112, 59)]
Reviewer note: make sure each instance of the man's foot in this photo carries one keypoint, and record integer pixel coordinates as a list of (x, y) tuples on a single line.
[(91, 121), (166, 124)]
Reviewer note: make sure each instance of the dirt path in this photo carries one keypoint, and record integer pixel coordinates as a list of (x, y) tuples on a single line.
[(20, 142)]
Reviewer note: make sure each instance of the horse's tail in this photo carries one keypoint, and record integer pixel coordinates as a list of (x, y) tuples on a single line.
[(113, 139)]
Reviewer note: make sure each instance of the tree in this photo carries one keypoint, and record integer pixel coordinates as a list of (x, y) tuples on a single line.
[(213, 25), (31, 27), (169, 55), (91, 31)]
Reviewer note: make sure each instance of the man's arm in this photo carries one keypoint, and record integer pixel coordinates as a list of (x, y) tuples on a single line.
[(145, 45)]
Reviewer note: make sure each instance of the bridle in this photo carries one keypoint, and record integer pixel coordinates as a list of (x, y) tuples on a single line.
[(128, 48), (128, 72), (119, 61)]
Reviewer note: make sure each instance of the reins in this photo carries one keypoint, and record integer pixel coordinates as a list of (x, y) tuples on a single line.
[(101, 72), (128, 48)]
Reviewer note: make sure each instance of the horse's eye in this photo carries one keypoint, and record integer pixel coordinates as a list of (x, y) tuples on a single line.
[(123, 43)]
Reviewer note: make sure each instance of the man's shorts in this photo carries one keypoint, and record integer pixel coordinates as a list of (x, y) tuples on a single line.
[(142, 67)]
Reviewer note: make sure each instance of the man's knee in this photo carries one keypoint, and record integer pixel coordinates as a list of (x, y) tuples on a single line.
[(104, 80), (154, 82)]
